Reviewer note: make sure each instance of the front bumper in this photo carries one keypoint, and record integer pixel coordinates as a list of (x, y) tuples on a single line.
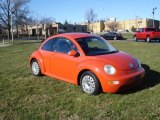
[(127, 80)]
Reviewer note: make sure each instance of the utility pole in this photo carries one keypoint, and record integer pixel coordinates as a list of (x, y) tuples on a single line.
[(37, 27), (45, 31), (153, 12), (11, 26)]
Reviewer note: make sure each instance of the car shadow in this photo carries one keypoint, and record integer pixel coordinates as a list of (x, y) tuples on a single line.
[(153, 41), (151, 79)]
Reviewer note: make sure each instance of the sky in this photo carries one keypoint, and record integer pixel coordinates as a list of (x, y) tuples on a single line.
[(74, 10)]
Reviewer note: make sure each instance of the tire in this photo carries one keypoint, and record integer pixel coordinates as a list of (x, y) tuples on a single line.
[(115, 38), (35, 68), (135, 38), (89, 83), (148, 39)]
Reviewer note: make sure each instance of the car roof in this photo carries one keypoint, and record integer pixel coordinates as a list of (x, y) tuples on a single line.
[(74, 35)]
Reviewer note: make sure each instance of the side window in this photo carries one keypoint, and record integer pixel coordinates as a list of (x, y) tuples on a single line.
[(141, 30), (48, 45), (111, 34), (64, 45)]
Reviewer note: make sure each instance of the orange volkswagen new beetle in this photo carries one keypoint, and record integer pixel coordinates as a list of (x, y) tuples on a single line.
[(88, 61)]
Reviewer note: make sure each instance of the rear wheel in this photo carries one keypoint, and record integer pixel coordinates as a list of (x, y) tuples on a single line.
[(148, 39), (115, 38), (135, 38), (90, 83), (35, 68)]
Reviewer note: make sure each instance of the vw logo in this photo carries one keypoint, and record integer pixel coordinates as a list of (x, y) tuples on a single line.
[(131, 65)]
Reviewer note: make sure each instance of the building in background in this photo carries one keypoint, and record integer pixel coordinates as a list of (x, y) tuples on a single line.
[(56, 28), (124, 25), (95, 27), (134, 24), (61, 28)]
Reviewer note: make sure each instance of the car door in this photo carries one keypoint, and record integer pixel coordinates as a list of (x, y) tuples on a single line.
[(63, 66), (107, 36), (140, 33), (143, 34), (112, 35), (46, 54)]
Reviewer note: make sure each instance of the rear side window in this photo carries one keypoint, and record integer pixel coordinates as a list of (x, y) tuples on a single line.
[(112, 34), (150, 29), (48, 45)]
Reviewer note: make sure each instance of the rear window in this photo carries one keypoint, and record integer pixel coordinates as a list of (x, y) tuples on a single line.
[(150, 29)]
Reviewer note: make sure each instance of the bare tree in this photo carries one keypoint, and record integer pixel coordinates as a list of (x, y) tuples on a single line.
[(29, 23), (5, 14), (20, 13), (47, 22), (90, 16), (113, 26), (26, 24), (12, 9)]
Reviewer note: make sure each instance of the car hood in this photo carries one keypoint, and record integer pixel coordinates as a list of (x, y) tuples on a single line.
[(120, 60)]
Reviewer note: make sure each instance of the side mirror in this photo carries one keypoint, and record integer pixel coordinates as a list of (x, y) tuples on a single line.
[(72, 53)]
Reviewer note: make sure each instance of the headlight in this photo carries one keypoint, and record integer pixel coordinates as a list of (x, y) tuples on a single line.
[(109, 69), (139, 63)]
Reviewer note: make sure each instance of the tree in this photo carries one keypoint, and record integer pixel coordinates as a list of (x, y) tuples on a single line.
[(66, 22), (113, 26), (20, 13), (12, 9), (46, 23), (0, 29), (26, 24), (133, 29), (5, 14), (90, 16)]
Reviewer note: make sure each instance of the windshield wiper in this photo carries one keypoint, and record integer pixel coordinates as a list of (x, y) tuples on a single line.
[(113, 51)]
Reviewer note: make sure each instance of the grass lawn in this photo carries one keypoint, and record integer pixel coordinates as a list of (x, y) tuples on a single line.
[(127, 35), (25, 97)]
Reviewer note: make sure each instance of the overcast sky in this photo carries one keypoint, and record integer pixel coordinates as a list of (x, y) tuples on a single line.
[(74, 10)]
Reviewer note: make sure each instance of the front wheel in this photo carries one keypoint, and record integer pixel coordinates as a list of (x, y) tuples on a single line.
[(115, 38), (90, 83), (35, 68), (148, 39), (135, 38)]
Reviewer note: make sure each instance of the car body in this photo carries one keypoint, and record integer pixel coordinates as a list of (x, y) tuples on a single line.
[(86, 60), (147, 34), (112, 36)]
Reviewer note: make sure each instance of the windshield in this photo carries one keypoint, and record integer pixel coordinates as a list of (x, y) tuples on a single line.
[(95, 46)]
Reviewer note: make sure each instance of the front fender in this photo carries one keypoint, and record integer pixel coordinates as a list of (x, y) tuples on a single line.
[(94, 66)]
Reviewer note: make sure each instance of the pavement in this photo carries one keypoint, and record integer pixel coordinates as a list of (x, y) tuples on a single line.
[(4, 45)]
